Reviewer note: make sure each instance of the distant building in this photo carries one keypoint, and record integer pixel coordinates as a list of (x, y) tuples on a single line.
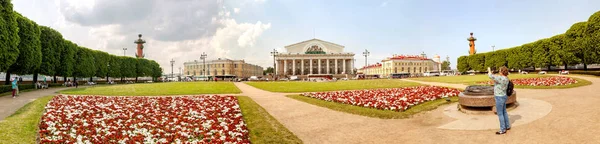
[(413, 64), (221, 68)]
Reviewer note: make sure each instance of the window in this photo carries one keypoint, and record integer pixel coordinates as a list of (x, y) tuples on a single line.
[(235, 66), (223, 65), (223, 71)]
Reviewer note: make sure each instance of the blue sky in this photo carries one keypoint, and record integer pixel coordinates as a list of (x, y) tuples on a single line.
[(383, 27)]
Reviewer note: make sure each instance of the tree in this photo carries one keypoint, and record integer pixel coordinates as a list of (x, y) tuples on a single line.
[(67, 59), (540, 56), (560, 53), (128, 68), (592, 38), (577, 40), (462, 64), (85, 66), (142, 68), (446, 65), (114, 68), (52, 42), (9, 37), (268, 70), (156, 70), (477, 61), (30, 50), (101, 61)]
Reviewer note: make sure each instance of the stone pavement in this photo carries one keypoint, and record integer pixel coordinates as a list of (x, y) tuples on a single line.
[(9, 105), (574, 118)]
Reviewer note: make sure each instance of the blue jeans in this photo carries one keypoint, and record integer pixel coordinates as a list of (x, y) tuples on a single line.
[(502, 114)]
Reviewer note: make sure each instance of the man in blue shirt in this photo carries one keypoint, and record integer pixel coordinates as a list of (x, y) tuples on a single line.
[(500, 85), (14, 87)]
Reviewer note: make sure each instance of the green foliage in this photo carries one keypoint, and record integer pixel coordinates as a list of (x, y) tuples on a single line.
[(594, 73), (540, 56), (268, 70), (560, 52), (9, 38), (67, 58), (462, 64), (114, 70), (446, 65), (30, 50), (52, 43), (477, 61), (85, 66), (101, 61), (156, 70), (298, 86), (143, 68), (128, 68)]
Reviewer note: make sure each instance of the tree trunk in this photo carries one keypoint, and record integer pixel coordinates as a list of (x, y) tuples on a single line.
[(121, 79), (566, 67), (7, 78), (91, 79), (136, 79), (35, 77), (54, 80), (584, 66)]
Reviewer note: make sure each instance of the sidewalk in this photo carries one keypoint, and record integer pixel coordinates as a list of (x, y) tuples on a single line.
[(9, 105)]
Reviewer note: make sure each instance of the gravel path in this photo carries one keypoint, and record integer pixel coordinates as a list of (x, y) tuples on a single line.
[(9, 105), (575, 118)]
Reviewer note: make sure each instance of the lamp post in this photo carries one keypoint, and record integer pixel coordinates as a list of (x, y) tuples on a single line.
[(172, 62), (107, 78), (124, 50), (366, 54), (179, 76), (493, 48), (274, 54), (203, 57)]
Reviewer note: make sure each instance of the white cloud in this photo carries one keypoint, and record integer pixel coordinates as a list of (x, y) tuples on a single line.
[(236, 10), (260, 1)]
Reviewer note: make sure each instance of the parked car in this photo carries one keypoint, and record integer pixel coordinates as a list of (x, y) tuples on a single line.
[(293, 78), (543, 72), (431, 74), (564, 72), (253, 78), (524, 72)]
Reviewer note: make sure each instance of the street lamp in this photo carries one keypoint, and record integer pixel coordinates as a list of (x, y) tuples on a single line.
[(203, 57), (172, 62), (124, 50), (274, 54), (107, 78), (493, 48), (366, 54)]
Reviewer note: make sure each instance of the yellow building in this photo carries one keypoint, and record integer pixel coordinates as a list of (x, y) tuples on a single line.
[(221, 68), (413, 64)]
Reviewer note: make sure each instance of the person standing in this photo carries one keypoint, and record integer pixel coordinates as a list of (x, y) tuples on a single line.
[(14, 87), (17, 84), (500, 86)]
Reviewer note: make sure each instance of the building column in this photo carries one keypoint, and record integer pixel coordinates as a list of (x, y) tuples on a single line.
[(336, 66), (302, 67), (351, 66), (276, 68), (319, 65), (344, 66), (294, 67), (284, 67), (310, 66), (328, 72)]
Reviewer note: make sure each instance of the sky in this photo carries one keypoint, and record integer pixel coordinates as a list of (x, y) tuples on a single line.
[(181, 30)]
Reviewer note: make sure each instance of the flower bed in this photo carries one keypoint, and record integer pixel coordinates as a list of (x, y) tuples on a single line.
[(100, 119), (396, 99), (541, 81)]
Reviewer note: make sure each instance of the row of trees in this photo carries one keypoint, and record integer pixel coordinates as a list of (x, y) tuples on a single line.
[(578, 45), (27, 48)]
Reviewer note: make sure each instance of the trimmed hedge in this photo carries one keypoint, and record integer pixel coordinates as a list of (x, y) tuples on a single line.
[(8, 88), (594, 73)]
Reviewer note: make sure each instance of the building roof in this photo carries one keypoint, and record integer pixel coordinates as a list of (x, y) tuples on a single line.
[(317, 40), (407, 57), (371, 66)]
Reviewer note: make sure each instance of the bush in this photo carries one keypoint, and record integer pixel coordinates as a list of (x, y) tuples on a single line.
[(8, 88), (595, 73)]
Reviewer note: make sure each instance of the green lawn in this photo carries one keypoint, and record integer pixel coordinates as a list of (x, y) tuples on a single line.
[(262, 126), (21, 127), (472, 80), (301, 86), (371, 112), (154, 89)]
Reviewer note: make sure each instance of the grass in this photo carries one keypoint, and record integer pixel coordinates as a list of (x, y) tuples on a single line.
[(21, 127), (472, 80), (262, 126), (155, 89), (297, 86), (371, 112)]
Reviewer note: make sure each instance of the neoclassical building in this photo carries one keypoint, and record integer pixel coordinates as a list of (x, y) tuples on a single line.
[(413, 64), (221, 68), (314, 56)]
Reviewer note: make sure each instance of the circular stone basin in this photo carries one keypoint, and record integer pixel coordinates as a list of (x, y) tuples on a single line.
[(481, 96)]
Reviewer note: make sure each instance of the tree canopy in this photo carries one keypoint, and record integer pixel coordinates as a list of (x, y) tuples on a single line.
[(9, 37)]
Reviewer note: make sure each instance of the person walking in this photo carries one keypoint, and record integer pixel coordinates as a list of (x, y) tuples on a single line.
[(17, 84), (14, 87), (500, 86)]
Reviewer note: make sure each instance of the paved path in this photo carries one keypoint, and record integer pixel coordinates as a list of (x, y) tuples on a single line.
[(575, 118), (9, 105)]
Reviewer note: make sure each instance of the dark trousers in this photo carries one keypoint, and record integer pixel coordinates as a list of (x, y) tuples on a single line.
[(14, 91)]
